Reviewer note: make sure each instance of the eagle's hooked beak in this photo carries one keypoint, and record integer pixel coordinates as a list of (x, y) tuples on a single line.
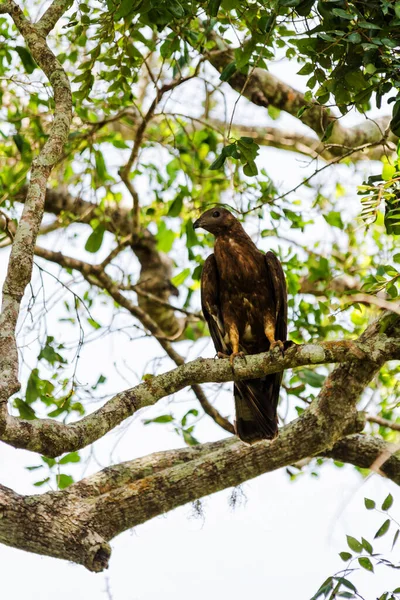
[(197, 224)]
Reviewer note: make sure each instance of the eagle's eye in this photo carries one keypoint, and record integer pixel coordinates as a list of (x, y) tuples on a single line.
[(216, 214)]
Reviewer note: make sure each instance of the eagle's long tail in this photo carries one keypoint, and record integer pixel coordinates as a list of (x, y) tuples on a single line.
[(256, 402)]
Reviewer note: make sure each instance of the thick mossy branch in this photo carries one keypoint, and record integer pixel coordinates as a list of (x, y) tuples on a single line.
[(76, 524)]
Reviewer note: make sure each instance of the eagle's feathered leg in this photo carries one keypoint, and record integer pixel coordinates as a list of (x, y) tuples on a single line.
[(269, 330), (233, 334)]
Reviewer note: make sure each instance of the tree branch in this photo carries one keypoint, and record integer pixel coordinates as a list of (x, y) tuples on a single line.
[(263, 88), (55, 11), (360, 358), (156, 267), (21, 258), (314, 148), (383, 422), (364, 451), (76, 524)]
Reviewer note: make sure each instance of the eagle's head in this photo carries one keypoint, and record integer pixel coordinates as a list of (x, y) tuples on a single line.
[(217, 221)]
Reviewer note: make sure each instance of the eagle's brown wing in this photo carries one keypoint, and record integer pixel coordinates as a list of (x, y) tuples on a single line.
[(256, 400), (210, 303), (278, 287)]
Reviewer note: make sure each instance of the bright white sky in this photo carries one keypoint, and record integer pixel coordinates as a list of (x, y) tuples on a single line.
[(281, 543)]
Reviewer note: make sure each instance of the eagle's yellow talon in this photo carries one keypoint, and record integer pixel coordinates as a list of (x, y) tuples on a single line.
[(277, 344), (234, 355)]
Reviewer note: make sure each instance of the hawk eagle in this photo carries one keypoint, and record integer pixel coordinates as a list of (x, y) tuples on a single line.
[(244, 301)]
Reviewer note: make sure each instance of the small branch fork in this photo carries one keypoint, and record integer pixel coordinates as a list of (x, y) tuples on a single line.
[(126, 170)]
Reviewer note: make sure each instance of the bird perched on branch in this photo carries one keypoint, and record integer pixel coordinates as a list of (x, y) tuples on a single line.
[(244, 301)]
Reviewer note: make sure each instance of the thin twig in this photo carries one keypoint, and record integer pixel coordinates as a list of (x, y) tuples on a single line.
[(383, 422), (375, 300)]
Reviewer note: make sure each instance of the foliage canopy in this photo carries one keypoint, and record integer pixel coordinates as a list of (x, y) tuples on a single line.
[(176, 106)]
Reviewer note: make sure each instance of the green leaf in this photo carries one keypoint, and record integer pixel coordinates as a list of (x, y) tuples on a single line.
[(396, 535), (368, 547), (388, 171), (324, 589), (354, 38), (94, 323), (39, 483), (26, 59), (250, 169), (49, 353), (95, 239), (228, 71), (124, 9), (354, 544), (147, 376), (328, 131), (338, 12), (347, 583), (32, 393), (72, 457), (189, 439), (213, 7), (175, 207), (312, 378), (365, 563), (304, 8), (345, 556), (218, 162), (193, 412), (306, 70), (181, 277), (101, 169), (368, 25), (165, 238), (19, 142), (387, 503), (25, 411), (334, 219), (383, 529), (289, 3), (191, 237), (369, 504), (64, 481), (161, 419)]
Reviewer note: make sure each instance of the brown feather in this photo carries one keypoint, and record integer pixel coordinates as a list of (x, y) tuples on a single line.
[(244, 290)]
